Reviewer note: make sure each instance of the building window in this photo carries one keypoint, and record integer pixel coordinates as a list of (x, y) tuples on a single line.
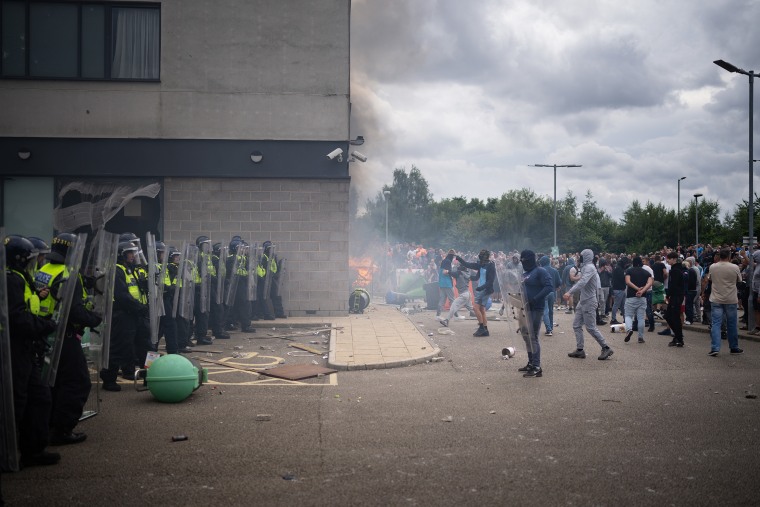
[(80, 40)]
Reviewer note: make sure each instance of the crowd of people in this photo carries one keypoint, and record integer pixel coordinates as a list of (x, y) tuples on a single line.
[(696, 284), (36, 275)]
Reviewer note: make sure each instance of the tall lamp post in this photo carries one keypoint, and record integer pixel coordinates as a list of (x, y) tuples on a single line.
[(555, 166), (387, 194), (696, 220), (751, 208), (678, 218)]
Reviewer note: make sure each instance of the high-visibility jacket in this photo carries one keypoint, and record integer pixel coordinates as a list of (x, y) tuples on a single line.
[(31, 298), (261, 269), (132, 286)]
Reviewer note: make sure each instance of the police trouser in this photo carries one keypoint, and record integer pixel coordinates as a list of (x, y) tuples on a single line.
[(72, 386), (184, 331), (142, 341), (262, 305), (201, 319), (31, 400), (241, 312), (216, 318), (122, 346), (169, 327)]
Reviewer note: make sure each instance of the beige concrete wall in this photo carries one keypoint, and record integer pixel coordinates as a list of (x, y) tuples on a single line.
[(235, 69), (306, 219)]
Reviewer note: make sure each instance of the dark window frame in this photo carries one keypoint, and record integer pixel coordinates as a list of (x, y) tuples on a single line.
[(107, 41)]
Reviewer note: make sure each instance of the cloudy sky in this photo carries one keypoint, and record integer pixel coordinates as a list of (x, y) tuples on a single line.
[(473, 92)]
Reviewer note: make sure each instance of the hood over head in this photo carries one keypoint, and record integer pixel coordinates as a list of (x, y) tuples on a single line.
[(587, 255), (528, 259), (544, 261), (756, 256)]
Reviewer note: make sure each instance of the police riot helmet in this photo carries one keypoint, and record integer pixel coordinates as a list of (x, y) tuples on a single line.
[(217, 248), (41, 246), (18, 252), (60, 248), (173, 251), (201, 240), (160, 246), (124, 247)]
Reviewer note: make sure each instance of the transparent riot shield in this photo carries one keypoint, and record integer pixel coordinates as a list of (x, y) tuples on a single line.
[(188, 269), (254, 257), (204, 258), (155, 301), (511, 288), (9, 459), (178, 281), (221, 275), (239, 263), (101, 271), (268, 263), (64, 294), (279, 277)]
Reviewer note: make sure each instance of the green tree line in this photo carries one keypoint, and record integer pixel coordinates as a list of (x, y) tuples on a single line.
[(523, 219)]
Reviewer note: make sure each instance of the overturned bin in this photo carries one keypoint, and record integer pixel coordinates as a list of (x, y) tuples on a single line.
[(171, 378)]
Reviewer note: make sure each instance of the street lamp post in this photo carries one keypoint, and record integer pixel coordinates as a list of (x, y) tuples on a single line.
[(555, 166), (678, 217), (696, 220), (387, 194), (751, 208)]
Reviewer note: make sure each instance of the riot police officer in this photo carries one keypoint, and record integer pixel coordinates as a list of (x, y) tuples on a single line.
[(267, 266), (28, 332), (127, 309), (72, 381), (202, 274), (216, 318)]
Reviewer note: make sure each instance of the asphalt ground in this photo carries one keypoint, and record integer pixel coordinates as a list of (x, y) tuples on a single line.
[(653, 425)]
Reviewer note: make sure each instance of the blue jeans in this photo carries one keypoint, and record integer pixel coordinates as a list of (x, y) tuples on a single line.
[(635, 307), (619, 296), (732, 324), (549, 311), (531, 341)]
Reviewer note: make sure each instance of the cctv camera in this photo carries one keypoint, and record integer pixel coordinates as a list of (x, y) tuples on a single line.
[(359, 156), (336, 153)]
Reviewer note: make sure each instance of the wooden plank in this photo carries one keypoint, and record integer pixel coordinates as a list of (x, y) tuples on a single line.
[(301, 346)]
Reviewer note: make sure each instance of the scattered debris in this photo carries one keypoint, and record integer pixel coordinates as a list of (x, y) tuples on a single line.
[(448, 418), (305, 347), (492, 412), (263, 417), (179, 438), (437, 359), (614, 401), (751, 396), (233, 366), (289, 477)]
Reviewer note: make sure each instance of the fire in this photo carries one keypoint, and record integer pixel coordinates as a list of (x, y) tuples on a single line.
[(364, 267)]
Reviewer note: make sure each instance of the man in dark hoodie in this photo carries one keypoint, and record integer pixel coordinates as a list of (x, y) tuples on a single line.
[(545, 263), (487, 273), (538, 284)]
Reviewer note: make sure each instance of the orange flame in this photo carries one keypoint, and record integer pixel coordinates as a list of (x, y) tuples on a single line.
[(364, 267)]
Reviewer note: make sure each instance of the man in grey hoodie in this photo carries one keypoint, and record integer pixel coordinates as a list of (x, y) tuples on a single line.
[(585, 312)]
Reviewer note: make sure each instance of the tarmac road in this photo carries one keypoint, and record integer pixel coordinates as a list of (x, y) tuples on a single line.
[(651, 426)]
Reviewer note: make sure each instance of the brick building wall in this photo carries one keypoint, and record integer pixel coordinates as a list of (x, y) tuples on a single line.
[(306, 219)]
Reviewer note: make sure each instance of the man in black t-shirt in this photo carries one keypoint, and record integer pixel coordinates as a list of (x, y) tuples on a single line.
[(637, 281), (676, 298)]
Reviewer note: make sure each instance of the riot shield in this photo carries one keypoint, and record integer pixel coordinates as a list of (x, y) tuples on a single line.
[(254, 256), (188, 269), (100, 274), (221, 275), (279, 277), (178, 281), (240, 255), (9, 459), (204, 258), (511, 289), (63, 293), (270, 262), (155, 301)]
